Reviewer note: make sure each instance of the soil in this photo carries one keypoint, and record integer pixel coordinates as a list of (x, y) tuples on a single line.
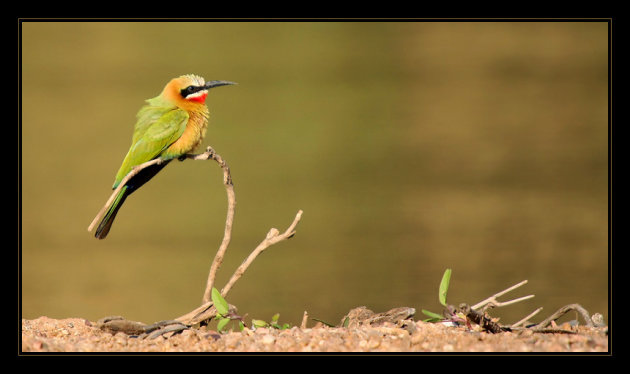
[(45, 334)]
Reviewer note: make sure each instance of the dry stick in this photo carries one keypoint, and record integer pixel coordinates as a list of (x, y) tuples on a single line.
[(210, 154), (273, 237), (562, 311), (493, 299), (517, 324), (207, 310), (201, 313), (487, 323), (479, 318), (304, 320)]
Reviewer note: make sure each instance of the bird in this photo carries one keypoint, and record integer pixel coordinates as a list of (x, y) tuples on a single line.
[(168, 126)]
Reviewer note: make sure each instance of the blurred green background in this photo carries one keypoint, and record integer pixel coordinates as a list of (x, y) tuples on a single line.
[(412, 147)]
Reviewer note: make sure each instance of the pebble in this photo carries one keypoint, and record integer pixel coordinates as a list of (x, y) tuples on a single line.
[(267, 339)]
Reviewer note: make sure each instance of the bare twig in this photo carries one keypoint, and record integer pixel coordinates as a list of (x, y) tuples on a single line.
[(562, 311), (304, 320), (210, 154), (517, 324), (478, 316), (473, 314), (492, 300), (273, 237), (540, 327), (201, 313)]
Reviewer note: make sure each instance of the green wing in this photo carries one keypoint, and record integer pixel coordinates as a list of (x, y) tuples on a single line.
[(153, 133), (150, 114)]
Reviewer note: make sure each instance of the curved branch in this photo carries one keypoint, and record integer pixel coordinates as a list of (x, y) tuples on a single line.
[(210, 154), (562, 311)]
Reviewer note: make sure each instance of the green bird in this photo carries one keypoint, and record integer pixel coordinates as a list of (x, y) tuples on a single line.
[(168, 126)]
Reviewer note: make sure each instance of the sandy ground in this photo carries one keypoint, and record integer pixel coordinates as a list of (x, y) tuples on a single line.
[(79, 335)]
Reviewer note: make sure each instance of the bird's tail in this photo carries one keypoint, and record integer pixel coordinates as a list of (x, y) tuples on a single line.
[(106, 223)]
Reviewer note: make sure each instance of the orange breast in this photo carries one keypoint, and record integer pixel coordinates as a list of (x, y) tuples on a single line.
[(192, 136)]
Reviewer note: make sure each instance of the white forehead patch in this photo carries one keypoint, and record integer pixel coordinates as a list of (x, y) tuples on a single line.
[(195, 80)]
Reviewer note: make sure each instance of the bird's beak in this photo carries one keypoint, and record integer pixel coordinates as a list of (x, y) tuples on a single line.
[(211, 84)]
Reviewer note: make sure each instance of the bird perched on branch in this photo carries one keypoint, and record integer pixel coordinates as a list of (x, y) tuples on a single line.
[(168, 126)]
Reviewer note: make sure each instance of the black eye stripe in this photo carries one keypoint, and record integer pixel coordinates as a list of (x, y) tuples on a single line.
[(191, 90)]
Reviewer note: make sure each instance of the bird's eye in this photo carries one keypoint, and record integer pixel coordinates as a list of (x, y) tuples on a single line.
[(188, 90)]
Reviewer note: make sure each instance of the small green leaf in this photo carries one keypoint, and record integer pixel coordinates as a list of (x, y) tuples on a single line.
[(446, 278), (275, 318), (259, 323), (432, 315), (219, 302), (346, 322), (241, 326), (222, 323)]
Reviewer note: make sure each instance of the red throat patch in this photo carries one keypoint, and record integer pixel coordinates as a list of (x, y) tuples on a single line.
[(199, 99)]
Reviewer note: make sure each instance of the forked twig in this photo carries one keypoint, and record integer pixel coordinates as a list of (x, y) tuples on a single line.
[(476, 313), (489, 325), (207, 310), (493, 302), (273, 237)]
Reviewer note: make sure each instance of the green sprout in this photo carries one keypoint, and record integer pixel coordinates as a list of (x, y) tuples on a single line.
[(435, 317), (224, 316), (274, 323)]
